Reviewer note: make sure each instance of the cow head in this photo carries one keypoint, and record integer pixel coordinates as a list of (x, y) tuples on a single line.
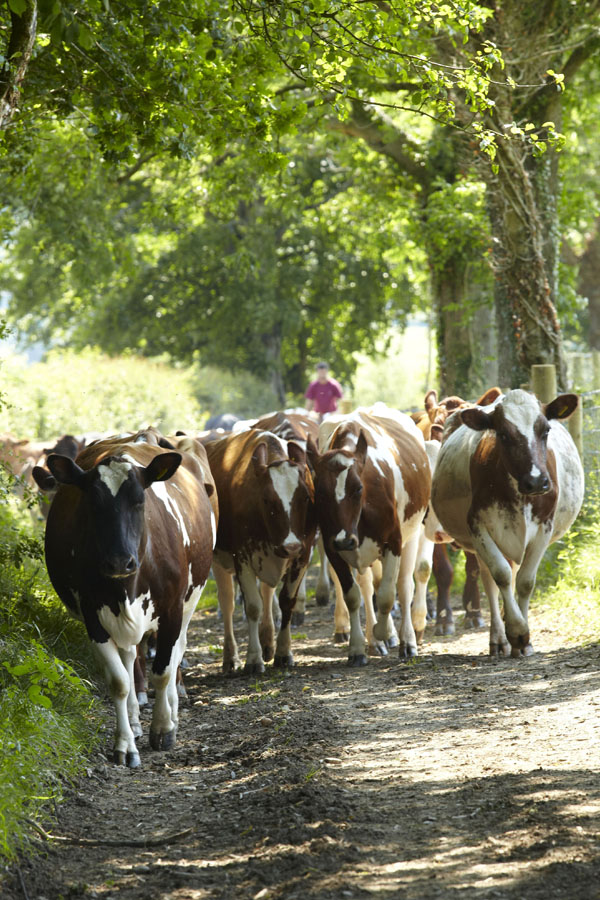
[(521, 427), (286, 497), (112, 494), (339, 493)]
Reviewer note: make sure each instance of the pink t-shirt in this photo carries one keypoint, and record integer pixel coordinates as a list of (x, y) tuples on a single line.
[(324, 394)]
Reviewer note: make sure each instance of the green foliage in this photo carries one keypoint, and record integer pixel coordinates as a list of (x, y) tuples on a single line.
[(76, 393), (48, 718)]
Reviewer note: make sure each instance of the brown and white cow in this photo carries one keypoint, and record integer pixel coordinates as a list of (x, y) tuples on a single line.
[(129, 542), (508, 482), (372, 486), (266, 532)]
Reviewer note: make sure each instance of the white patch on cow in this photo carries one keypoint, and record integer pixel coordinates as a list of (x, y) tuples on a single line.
[(114, 474), (132, 622), (340, 482), (521, 410), (213, 525), (366, 554), (285, 480), (159, 488), (340, 535)]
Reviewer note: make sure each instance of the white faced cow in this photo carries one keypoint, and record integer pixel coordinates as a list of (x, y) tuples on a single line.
[(372, 486), (508, 482), (266, 532), (129, 543)]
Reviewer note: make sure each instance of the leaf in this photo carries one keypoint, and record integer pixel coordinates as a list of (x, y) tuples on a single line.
[(17, 6)]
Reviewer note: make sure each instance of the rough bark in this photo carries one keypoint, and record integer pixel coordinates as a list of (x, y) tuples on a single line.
[(588, 284), (18, 53)]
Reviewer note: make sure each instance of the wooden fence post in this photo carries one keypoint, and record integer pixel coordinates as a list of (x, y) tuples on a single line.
[(575, 426), (543, 382), (596, 368)]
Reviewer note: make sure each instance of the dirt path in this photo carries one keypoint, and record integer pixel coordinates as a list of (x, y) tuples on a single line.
[(455, 776)]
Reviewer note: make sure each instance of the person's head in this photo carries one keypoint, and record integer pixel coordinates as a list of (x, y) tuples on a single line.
[(322, 371)]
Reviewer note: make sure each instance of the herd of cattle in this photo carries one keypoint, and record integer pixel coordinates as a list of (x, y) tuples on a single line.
[(137, 521)]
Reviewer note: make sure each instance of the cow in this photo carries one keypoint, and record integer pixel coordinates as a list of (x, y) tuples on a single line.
[(508, 482), (224, 421), (266, 532), (372, 486), (128, 546)]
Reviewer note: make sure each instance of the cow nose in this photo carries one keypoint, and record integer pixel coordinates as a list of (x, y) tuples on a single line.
[(350, 542), (538, 484), (120, 567)]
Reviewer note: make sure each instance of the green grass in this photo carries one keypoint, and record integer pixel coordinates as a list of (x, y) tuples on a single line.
[(49, 717)]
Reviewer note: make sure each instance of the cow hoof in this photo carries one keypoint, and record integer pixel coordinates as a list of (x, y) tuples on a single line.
[(500, 649), (322, 599), (444, 627), (297, 618), (232, 666), (341, 637), (142, 699), (378, 649), (356, 660), (268, 653), (256, 668), (518, 652), (137, 730), (133, 760), (406, 651), (164, 741), (284, 662), (474, 622), (528, 650), (119, 757), (392, 641)]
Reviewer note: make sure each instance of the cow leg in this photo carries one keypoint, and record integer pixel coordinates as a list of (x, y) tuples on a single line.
[(299, 611), (128, 658), (169, 653), (386, 595), (525, 581), (471, 597), (226, 595), (423, 569), (139, 675), (406, 588), (357, 655), (266, 632), (125, 751), (293, 578), (341, 619), (501, 571), (443, 574), (323, 584), (365, 583), (499, 645), (253, 605)]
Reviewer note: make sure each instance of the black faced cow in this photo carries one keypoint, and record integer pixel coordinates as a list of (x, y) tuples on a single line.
[(266, 532), (372, 487), (508, 482), (129, 542)]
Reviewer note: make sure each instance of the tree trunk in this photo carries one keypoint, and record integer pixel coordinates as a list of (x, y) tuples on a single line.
[(588, 284), (452, 327), (18, 53), (528, 329)]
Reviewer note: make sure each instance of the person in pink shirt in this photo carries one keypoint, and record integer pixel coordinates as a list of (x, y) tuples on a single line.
[(323, 393)]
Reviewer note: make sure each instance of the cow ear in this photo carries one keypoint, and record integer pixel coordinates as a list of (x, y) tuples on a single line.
[(65, 470), (259, 457), (561, 407), (44, 479), (475, 418), (210, 488), (361, 449), (431, 400), (312, 453), (162, 467), (296, 453), (437, 432), (490, 395)]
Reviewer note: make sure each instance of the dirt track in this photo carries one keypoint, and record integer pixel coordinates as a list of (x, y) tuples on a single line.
[(455, 776)]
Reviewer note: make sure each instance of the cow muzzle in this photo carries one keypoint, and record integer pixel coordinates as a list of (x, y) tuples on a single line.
[(120, 567), (534, 484), (287, 551), (349, 542)]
